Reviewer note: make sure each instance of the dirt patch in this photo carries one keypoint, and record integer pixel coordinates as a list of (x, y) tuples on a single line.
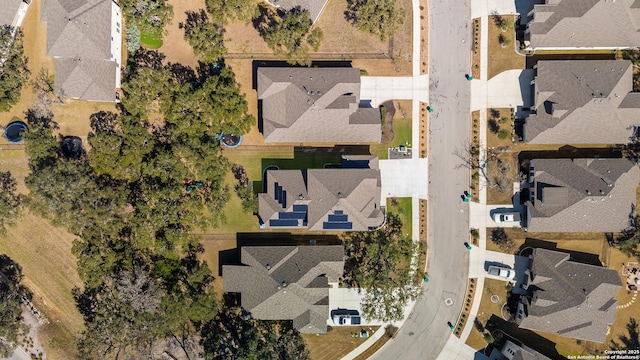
[(500, 124), (383, 67), (174, 46), (502, 54), (509, 160)]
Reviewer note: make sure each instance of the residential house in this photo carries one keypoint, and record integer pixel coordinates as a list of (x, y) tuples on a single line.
[(12, 13), (583, 24), (314, 105), (286, 283), (578, 195), (583, 102), (568, 298), (511, 350), (314, 7), (346, 198), (85, 39)]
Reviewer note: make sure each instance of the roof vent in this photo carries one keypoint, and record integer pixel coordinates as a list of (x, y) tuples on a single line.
[(284, 284), (588, 192), (268, 267), (601, 192)]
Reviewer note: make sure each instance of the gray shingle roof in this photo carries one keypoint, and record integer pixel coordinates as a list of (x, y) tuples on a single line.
[(583, 102), (85, 78), (570, 298), (585, 24), (314, 7), (286, 283), (79, 38), (315, 105), (325, 192), (576, 195), (8, 11)]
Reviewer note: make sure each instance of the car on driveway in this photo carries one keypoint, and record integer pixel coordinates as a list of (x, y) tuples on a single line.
[(345, 317), (502, 272), (506, 217)]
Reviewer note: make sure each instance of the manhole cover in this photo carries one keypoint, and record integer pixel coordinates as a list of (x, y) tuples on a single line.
[(448, 301), (495, 299)]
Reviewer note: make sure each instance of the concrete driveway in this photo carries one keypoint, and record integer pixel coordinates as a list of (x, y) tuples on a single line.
[(399, 178), (511, 88), (345, 298), (378, 89), (480, 215)]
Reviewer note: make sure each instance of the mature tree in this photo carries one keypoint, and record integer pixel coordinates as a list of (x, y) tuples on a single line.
[(243, 10), (231, 335), (12, 293), (206, 37), (10, 201), (500, 237), (244, 189), (289, 34), (45, 95), (379, 17), (149, 16), (379, 262), (13, 67), (133, 39)]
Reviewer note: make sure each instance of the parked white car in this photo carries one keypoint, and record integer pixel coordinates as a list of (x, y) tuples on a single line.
[(506, 217), (502, 272)]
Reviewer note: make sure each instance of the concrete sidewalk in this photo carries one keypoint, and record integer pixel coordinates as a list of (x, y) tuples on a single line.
[(379, 89)]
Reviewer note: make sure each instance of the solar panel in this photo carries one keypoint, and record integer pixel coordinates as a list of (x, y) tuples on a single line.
[(276, 191), (292, 215), (327, 225), (300, 208), (283, 200), (338, 212), (283, 222), (338, 218)]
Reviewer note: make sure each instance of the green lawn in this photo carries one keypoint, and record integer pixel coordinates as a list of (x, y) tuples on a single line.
[(403, 209), (401, 136), (150, 41)]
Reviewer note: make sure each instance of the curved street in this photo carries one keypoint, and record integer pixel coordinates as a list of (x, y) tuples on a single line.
[(425, 333)]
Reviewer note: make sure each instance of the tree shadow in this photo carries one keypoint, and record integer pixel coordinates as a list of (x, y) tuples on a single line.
[(632, 341)]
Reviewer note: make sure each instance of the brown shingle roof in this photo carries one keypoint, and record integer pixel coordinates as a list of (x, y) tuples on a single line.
[(583, 102), (570, 298), (576, 195), (286, 283), (315, 105)]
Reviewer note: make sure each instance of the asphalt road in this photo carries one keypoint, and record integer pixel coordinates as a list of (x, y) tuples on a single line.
[(425, 333)]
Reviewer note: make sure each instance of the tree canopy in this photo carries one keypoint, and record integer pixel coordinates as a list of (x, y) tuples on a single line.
[(12, 292), (205, 37), (149, 16), (10, 200), (289, 34), (379, 262), (13, 67), (379, 17)]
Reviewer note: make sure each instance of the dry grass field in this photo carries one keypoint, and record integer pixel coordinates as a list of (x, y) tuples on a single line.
[(49, 269), (334, 344), (174, 46)]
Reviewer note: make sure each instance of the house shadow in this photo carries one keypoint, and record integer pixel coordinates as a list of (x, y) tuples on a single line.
[(570, 152), (528, 337), (305, 157), (577, 256)]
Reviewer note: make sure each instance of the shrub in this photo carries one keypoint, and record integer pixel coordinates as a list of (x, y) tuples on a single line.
[(503, 134)]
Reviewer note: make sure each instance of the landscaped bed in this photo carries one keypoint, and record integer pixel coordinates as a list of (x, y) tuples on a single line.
[(487, 308), (396, 129), (502, 54)]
